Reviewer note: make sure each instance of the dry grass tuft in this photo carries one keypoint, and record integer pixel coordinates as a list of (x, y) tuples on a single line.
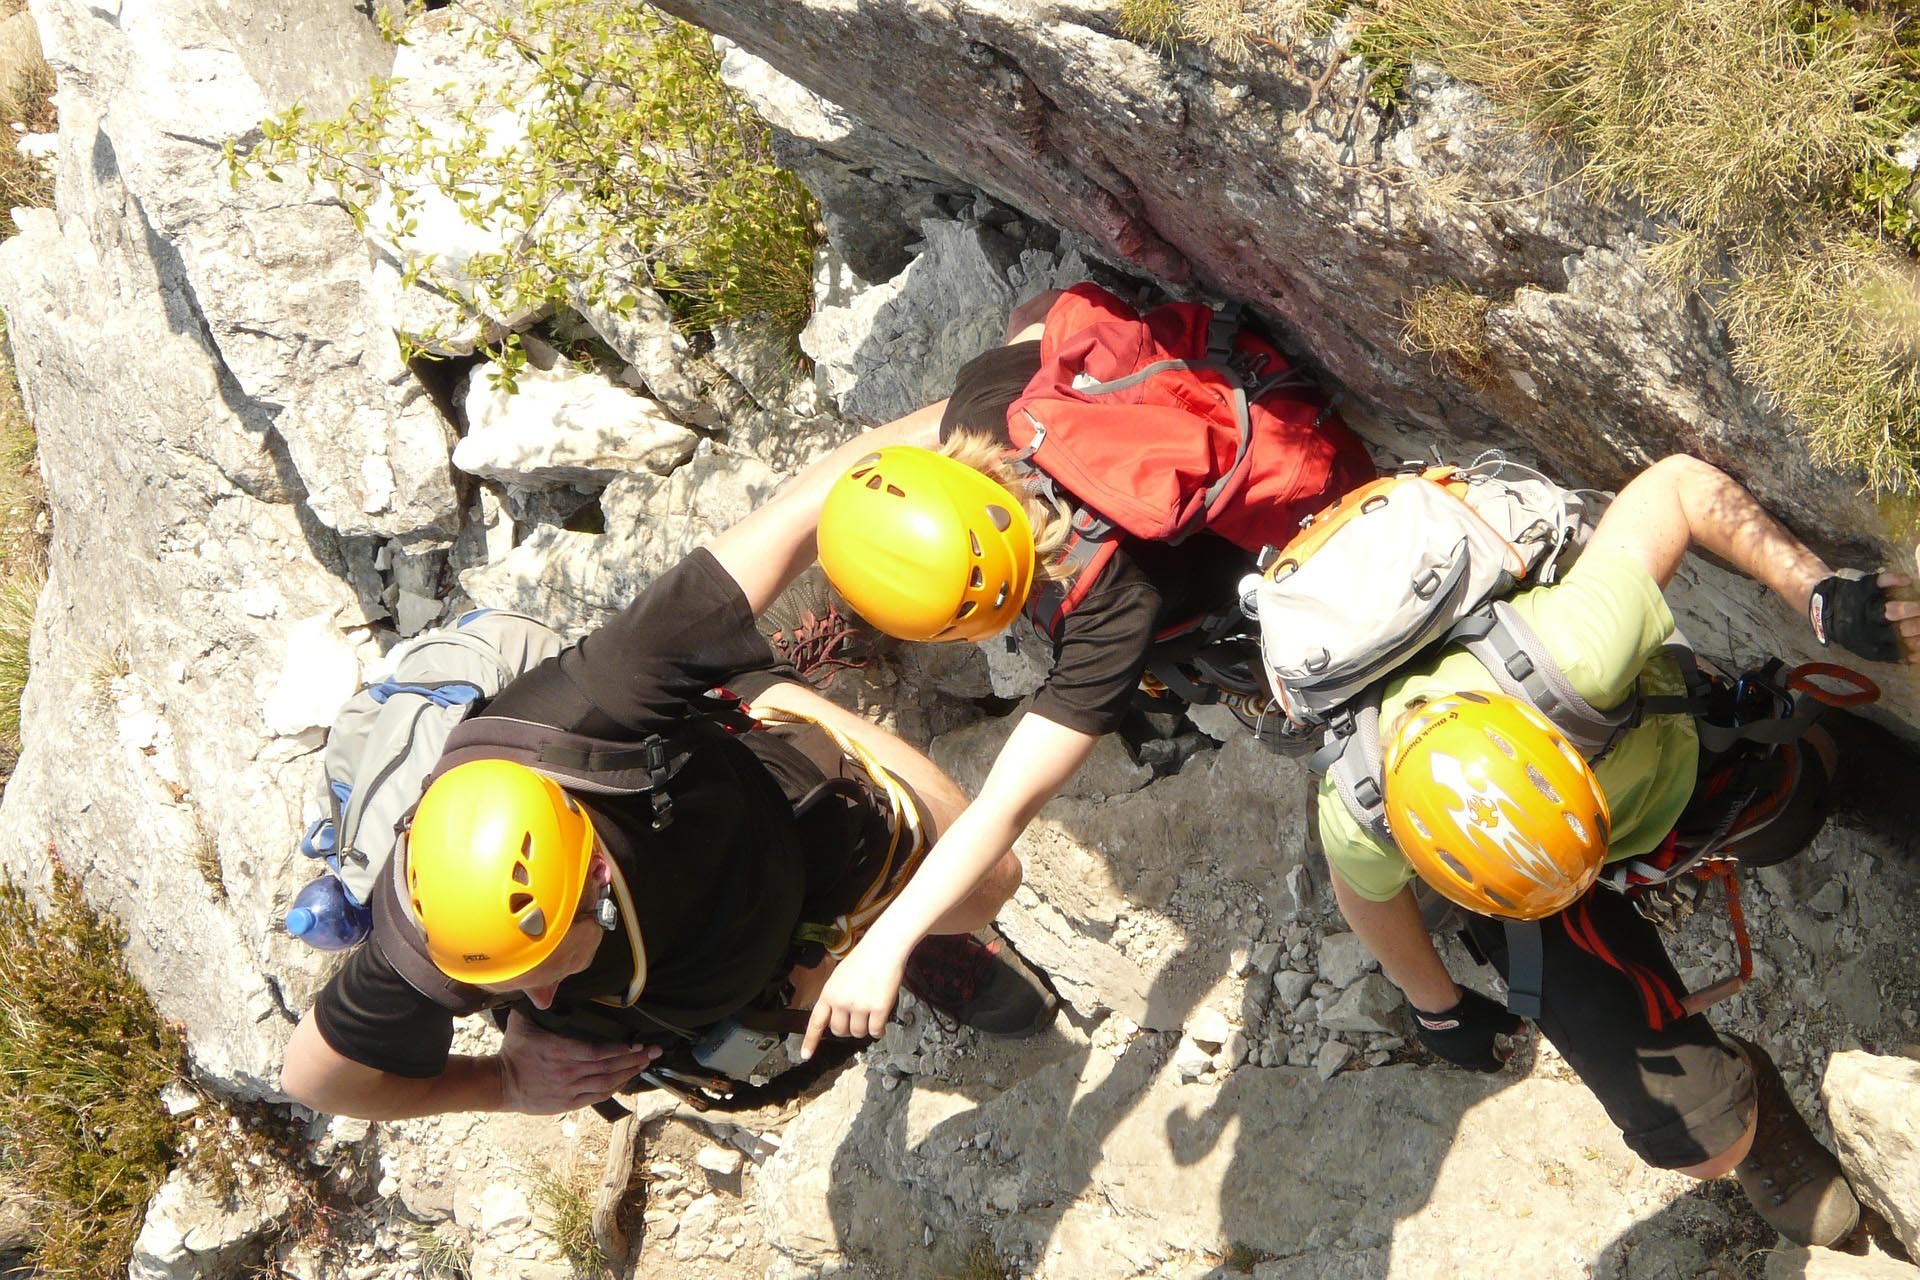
[(1157, 24), (1448, 322), (27, 102), (565, 1199), (1829, 330)]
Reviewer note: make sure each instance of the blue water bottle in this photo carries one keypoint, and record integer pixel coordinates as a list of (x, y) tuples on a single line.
[(325, 916)]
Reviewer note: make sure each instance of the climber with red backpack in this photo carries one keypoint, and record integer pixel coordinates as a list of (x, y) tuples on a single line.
[(1110, 474), (1544, 756)]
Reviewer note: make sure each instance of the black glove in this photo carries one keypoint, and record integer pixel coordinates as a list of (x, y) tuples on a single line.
[(1851, 611), (1463, 1035)]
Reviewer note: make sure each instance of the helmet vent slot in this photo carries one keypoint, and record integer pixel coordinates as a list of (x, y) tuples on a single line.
[(526, 844), (1006, 589), (1506, 749), (896, 491), (534, 923), (1540, 784), (520, 873), (965, 608), (974, 538), (874, 482), (1001, 517), (1579, 827), (518, 902), (1456, 866), (1499, 898), (978, 579)]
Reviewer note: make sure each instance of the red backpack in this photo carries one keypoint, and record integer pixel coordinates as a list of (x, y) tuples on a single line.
[(1159, 425)]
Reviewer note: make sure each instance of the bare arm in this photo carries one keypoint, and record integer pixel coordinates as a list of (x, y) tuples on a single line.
[(317, 1077), (535, 1073), (1031, 768), (1680, 502), (1398, 938), (770, 548)]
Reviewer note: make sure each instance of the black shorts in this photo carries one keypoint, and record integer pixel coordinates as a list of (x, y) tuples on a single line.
[(1679, 1095)]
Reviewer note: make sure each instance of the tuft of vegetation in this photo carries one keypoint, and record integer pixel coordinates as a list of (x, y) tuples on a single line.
[(981, 1262), (620, 160), (1157, 24), (1241, 1256), (1448, 322), (18, 595), (1829, 329), (565, 1198), (28, 103), (446, 1250), (83, 1058)]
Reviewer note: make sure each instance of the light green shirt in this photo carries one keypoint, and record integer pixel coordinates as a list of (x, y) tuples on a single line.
[(1605, 624)]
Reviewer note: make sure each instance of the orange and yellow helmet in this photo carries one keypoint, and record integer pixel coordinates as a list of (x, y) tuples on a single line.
[(496, 859), (926, 548), (1493, 807)]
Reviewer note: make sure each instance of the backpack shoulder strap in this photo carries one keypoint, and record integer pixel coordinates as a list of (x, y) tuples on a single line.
[(597, 766), (1350, 755), (1520, 664)]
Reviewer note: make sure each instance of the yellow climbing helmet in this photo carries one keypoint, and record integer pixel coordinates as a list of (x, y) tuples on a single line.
[(496, 859), (1493, 807), (926, 548)]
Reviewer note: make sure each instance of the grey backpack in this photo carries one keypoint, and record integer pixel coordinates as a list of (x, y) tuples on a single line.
[(389, 736), (1408, 563)]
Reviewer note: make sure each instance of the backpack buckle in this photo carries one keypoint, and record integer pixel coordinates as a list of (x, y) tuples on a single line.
[(1520, 666)]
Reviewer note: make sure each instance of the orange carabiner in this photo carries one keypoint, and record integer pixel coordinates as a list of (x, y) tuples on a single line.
[(1801, 680)]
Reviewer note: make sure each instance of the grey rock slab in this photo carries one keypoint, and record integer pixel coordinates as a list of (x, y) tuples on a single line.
[(1344, 958), (565, 426), (192, 1230), (1371, 1004), (1109, 1163), (1873, 1103), (1790, 1262), (578, 580), (896, 347), (272, 277)]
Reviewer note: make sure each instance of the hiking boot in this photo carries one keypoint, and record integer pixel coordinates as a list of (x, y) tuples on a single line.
[(979, 981), (1795, 1183)]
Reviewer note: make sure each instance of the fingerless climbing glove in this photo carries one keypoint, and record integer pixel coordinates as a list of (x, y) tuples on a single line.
[(1463, 1035), (1850, 610)]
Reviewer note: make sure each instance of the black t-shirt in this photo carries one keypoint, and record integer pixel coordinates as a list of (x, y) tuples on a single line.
[(1145, 588), (717, 892)]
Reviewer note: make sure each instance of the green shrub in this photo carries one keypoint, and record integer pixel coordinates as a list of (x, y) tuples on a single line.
[(637, 165), (83, 1058)]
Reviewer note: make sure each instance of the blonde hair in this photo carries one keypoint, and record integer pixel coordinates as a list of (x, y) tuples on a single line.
[(1052, 526)]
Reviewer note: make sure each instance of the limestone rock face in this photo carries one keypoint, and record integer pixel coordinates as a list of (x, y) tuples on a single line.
[(1874, 1105), (253, 499)]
